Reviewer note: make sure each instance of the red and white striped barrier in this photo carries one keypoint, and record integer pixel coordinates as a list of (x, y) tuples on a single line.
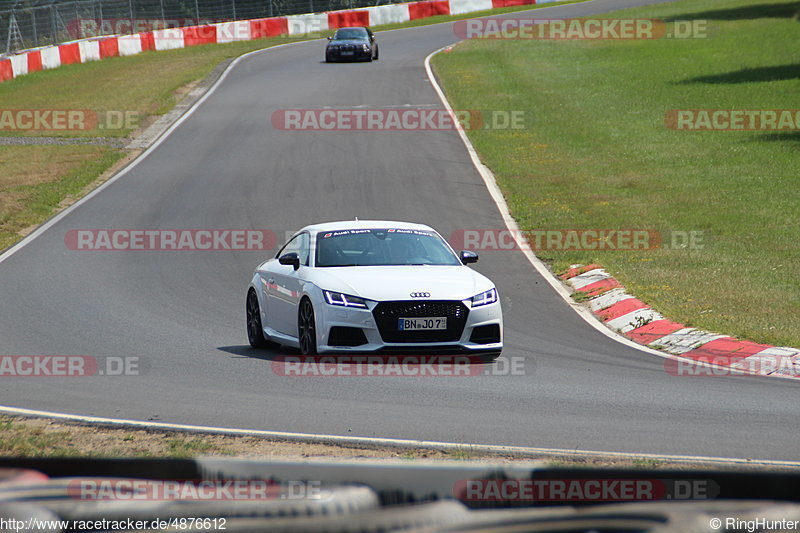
[(243, 30), (89, 51), (229, 32), (126, 45), (636, 320), (302, 24), (468, 6), (389, 14)]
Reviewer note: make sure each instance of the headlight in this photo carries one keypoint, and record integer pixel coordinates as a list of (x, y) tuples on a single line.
[(485, 298), (344, 300), (365, 47)]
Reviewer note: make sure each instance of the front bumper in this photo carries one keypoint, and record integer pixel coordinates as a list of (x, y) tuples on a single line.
[(349, 54), (475, 330)]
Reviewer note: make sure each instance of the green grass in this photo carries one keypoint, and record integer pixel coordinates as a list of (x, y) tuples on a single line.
[(189, 447), (649, 464), (35, 438), (461, 454), (25, 442), (35, 180), (595, 153), (146, 84)]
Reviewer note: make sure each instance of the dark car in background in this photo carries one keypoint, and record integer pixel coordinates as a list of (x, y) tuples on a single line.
[(352, 44)]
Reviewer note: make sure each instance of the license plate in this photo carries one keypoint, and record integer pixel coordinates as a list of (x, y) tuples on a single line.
[(412, 324), (347, 53)]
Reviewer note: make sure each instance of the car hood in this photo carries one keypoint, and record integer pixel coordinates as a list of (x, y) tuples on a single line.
[(398, 282), (356, 42)]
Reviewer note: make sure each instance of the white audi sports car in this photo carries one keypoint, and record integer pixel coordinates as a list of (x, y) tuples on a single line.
[(370, 286)]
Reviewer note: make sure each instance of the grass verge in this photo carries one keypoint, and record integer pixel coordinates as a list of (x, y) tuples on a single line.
[(595, 154), (161, 79), (40, 437), (37, 180)]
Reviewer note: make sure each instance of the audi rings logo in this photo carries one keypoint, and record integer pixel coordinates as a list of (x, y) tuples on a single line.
[(420, 295)]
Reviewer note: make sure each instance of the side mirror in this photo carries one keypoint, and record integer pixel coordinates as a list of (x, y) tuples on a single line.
[(468, 257), (290, 259), (330, 38)]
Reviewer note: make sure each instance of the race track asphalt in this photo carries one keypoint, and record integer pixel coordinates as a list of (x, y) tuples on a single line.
[(182, 313)]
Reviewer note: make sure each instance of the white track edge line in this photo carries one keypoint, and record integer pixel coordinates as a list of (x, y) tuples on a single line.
[(141, 157), (388, 442)]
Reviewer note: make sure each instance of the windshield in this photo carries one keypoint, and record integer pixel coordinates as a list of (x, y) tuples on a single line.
[(350, 33), (373, 247)]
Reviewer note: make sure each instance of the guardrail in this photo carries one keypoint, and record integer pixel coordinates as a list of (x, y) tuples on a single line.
[(33, 23), (96, 48)]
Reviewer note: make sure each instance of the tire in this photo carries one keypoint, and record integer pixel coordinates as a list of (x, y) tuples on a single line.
[(306, 328), (255, 331), (377, 52)]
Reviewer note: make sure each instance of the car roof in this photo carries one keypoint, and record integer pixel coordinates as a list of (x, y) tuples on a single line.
[(365, 224)]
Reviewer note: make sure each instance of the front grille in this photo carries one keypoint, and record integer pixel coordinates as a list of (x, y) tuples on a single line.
[(344, 336), (387, 314)]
